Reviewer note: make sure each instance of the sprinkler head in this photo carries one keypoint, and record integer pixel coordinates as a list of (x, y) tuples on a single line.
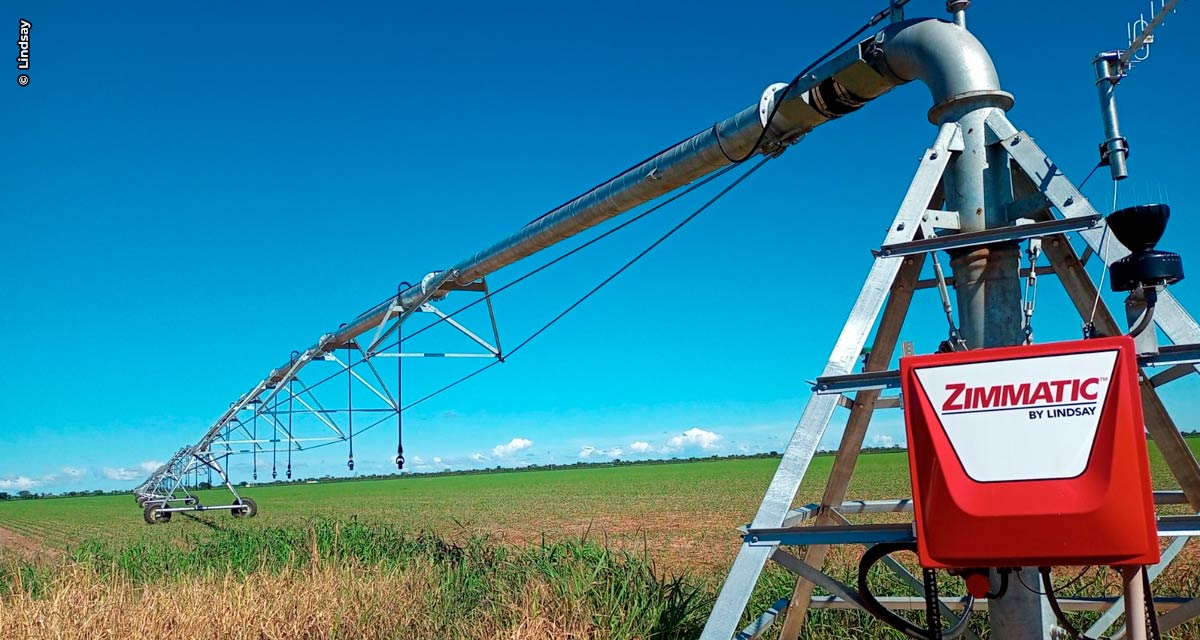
[(1140, 228), (350, 464)]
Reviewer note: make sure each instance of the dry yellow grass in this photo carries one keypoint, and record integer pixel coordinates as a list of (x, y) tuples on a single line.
[(322, 602)]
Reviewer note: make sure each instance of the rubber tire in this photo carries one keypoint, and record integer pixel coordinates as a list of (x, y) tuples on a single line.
[(249, 508), (152, 515), (192, 502)]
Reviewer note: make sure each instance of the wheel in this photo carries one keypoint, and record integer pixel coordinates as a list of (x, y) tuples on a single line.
[(192, 501), (248, 508), (154, 513), (141, 501)]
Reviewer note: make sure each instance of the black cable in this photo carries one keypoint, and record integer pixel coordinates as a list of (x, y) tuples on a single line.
[(877, 552), (782, 95), (1064, 585), (1048, 585), (999, 593), (1151, 298)]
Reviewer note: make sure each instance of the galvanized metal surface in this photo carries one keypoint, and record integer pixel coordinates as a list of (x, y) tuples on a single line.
[(748, 565)]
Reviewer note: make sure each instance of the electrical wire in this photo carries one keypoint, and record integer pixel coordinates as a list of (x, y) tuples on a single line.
[(1064, 585), (782, 95)]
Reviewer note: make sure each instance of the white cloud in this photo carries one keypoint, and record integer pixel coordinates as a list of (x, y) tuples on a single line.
[(478, 457), (640, 447), (882, 440), (121, 473), (20, 483), (418, 460), (694, 438), (437, 460), (150, 466), (514, 445), (74, 473), (589, 451)]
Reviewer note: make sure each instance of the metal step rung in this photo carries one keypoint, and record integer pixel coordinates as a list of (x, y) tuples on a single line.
[(889, 379), (918, 604), (989, 236), (1168, 527), (1172, 355)]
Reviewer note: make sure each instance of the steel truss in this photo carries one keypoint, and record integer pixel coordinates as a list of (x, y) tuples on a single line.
[(919, 229), (284, 414)]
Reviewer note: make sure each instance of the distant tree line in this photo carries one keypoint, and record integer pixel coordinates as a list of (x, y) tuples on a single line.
[(616, 462)]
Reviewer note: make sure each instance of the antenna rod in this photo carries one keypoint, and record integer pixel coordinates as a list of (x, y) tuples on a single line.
[(1148, 31), (1110, 70), (1115, 149)]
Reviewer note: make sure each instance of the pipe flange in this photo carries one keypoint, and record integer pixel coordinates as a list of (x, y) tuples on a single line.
[(972, 100), (766, 103)]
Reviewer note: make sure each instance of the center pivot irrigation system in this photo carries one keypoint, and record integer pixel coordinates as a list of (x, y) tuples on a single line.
[(1023, 457)]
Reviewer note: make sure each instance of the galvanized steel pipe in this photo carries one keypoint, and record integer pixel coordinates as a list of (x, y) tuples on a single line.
[(946, 57)]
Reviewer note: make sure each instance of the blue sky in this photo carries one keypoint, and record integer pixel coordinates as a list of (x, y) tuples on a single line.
[(193, 192)]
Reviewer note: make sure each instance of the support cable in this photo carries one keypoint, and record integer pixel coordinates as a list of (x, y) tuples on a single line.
[(487, 298), (602, 283), (689, 189), (692, 216)]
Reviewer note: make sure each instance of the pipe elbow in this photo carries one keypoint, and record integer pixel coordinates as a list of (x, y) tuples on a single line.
[(948, 59)]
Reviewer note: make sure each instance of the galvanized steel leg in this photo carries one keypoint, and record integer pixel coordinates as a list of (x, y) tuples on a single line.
[(748, 565), (856, 430)]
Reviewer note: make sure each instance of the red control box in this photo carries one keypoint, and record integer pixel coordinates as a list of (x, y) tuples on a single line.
[(1029, 456)]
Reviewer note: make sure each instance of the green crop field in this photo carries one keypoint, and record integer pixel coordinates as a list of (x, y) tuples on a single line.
[(649, 523), (685, 512)]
